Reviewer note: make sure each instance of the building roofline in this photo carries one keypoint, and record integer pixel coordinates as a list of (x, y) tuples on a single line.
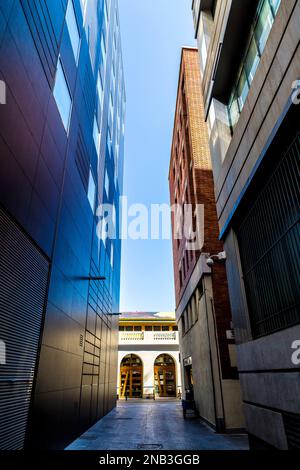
[(183, 48)]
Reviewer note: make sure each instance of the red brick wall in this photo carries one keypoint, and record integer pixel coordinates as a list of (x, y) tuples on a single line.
[(191, 164)]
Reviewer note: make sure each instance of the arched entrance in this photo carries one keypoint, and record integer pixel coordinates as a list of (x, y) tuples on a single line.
[(131, 377), (165, 376)]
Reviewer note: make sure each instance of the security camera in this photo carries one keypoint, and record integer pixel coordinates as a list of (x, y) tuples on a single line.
[(210, 262)]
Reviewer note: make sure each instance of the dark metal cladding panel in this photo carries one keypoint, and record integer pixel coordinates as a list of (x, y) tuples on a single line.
[(43, 33), (292, 427), (23, 284)]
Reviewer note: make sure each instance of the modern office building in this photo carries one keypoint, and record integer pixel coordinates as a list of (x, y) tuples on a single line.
[(250, 69), (203, 312), (148, 363), (61, 153)]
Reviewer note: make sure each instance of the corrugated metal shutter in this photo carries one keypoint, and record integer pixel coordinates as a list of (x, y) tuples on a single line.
[(23, 283)]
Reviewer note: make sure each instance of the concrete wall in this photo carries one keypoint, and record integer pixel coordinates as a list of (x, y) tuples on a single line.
[(215, 397), (270, 383), (269, 93)]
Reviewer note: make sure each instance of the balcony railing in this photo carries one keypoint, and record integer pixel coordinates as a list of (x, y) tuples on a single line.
[(164, 335), (148, 337), (131, 336)]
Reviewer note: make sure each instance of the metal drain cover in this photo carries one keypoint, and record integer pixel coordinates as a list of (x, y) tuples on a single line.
[(150, 446)]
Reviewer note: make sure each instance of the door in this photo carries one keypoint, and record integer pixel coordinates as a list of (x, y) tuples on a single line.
[(165, 376), (131, 377)]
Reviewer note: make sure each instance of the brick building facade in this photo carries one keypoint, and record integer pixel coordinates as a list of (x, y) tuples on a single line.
[(202, 302)]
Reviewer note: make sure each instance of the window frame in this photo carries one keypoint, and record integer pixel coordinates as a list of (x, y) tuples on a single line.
[(76, 56), (66, 126)]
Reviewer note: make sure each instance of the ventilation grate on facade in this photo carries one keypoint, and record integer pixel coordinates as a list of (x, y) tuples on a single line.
[(269, 241), (292, 429), (23, 283)]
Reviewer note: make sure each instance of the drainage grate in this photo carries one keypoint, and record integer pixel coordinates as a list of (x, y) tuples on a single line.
[(150, 446)]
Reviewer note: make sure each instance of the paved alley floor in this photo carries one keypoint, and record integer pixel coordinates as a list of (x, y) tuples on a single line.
[(154, 425)]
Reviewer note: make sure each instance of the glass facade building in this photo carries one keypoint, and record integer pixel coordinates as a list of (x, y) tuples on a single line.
[(61, 153)]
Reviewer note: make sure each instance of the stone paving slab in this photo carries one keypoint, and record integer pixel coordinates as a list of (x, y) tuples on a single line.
[(154, 425)]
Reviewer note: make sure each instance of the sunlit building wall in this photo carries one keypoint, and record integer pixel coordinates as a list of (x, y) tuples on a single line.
[(250, 69)]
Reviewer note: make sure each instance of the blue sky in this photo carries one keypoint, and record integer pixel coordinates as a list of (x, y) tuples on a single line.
[(153, 32)]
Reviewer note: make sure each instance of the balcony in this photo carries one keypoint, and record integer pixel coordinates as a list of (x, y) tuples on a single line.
[(148, 337)]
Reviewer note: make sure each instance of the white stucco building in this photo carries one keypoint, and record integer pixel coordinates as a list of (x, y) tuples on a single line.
[(148, 359)]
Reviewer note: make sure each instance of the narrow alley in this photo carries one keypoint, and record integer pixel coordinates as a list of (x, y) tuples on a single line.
[(154, 425)]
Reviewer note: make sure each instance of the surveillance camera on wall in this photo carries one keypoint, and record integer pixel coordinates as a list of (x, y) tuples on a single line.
[(219, 257), (210, 262)]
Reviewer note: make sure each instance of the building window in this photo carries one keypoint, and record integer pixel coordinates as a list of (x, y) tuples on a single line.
[(73, 29), (156, 328), (265, 20), (96, 135), (204, 36), (128, 328), (183, 327), (180, 271), (275, 5), (103, 49), (100, 90), (91, 191), (62, 96), (175, 328), (213, 8), (109, 139), (112, 255), (165, 328), (186, 321), (106, 184), (260, 31), (111, 107), (148, 328), (242, 89), (137, 328), (189, 315), (83, 4), (121, 328), (115, 40)]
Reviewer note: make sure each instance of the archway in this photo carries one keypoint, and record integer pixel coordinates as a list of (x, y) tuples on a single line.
[(165, 376), (131, 377)]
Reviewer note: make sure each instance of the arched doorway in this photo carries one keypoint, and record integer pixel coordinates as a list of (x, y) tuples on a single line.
[(165, 376), (131, 377)]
